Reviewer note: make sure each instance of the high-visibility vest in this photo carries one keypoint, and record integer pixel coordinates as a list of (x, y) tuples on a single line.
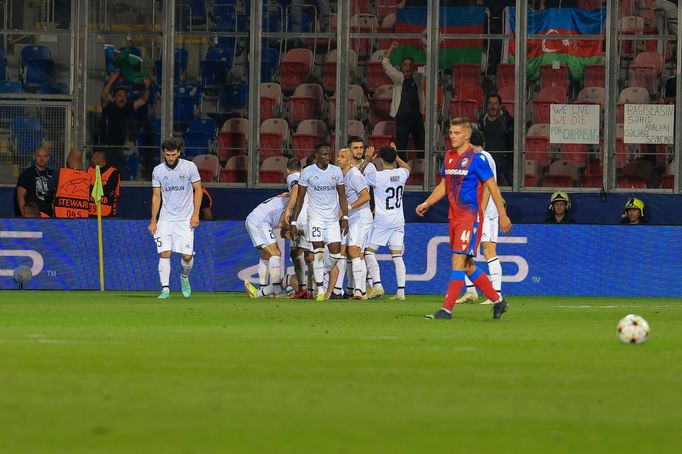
[(109, 204), (73, 194)]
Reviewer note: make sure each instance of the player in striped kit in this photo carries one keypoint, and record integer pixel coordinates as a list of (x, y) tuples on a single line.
[(176, 183), (465, 174), (322, 185)]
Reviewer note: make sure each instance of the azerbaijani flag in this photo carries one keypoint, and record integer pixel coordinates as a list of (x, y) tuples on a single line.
[(453, 20), (574, 53), (124, 62)]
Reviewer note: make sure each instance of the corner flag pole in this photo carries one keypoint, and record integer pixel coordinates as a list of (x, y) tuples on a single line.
[(97, 192)]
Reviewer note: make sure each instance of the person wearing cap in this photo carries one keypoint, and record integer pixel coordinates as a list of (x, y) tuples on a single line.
[(559, 204), (633, 213)]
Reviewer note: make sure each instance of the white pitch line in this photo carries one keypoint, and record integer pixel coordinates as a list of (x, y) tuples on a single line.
[(635, 306)]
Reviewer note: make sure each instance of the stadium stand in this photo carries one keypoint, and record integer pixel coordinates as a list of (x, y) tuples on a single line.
[(274, 138), (208, 165), (235, 170), (273, 170), (232, 138), (270, 100), (36, 66), (295, 68), (305, 103), (308, 134)]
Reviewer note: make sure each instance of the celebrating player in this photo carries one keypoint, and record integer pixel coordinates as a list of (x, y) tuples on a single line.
[(176, 183), (261, 224), (465, 173), (389, 220), (323, 185)]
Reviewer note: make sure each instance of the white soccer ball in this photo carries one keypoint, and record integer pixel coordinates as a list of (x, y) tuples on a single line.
[(633, 329)]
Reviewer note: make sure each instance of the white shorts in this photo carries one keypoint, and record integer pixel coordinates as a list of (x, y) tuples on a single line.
[(358, 232), (490, 229), (301, 241), (174, 236), (324, 231), (261, 234), (393, 237)]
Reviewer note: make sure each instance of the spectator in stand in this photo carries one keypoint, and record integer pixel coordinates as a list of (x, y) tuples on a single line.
[(498, 128), (111, 183), (115, 114), (407, 105), (32, 186), (633, 213), (559, 204), (670, 92)]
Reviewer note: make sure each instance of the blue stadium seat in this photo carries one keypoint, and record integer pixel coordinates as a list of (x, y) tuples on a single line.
[(36, 66), (186, 97), (233, 97), (3, 64), (215, 66), (179, 69), (132, 167), (269, 63), (27, 135), (53, 88)]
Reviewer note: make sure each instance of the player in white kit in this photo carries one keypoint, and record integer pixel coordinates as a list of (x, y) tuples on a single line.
[(360, 224), (176, 183), (261, 224), (490, 229), (322, 185), (388, 184)]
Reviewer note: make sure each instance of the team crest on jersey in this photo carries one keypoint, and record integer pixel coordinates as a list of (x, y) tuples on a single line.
[(182, 176), (465, 161), (334, 178)]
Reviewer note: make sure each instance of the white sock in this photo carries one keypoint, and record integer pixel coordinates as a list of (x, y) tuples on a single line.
[(495, 274), (311, 275), (299, 269), (318, 269), (471, 288), (400, 274), (330, 262), (164, 271), (359, 273), (187, 266), (341, 265), (263, 272), (275, 270), (373, 268), (350, 277)]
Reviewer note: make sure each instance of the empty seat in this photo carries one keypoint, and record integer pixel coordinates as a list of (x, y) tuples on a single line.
[(270, 100), (465, 74), (591, 95), (645, 71), (537, 144), (329, 69), (595, 75), (235, 170), (417, 172), (630, 95), (355, 128), (273, 170), (533, 171), (214, 67), (550, 77), (305, 103), (234, 97), (308, 134), (382, 134), (36, 66), (380, 105), (27, 135), (294, 68), (632, 182), (575, 152), (274, 134), (232, 138), (185, 99), (387, 26), (506, 76), (208, 165), (53, 88), (567, 168), (630, 25), (199, 135), (543, 101), (179, 67), (376, 75), (269, 63), (363, 23)]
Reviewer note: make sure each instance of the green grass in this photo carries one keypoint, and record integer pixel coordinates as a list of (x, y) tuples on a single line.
[(83, 372)]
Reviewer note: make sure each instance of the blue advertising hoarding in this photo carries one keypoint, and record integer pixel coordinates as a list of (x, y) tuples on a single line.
[(568, 260)]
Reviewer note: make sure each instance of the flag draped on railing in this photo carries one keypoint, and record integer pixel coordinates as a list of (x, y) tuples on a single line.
[(453, 20), (574, 53)]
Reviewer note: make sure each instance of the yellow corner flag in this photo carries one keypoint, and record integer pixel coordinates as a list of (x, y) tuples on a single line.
[(97, 193)]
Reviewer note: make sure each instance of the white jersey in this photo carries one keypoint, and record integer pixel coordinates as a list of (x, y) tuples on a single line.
[(321, 194), (354, 184), (177, 193), (388, 197), (292, 180), (370, 169), (269, 212), (491, 209)]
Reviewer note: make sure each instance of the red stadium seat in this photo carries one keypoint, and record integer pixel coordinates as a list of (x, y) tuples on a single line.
[(506, 77), (550, 77), (645, 71), (382, 134), (274, 134), (556, 181), (208, 165), (232, 138), (387, 27), (595, 75), (363, 23), (376, 75), (380, 105), (270, 100), (308, 134), (464, 74), (294, 68), (305, 103), (329, 69), (542, 102)]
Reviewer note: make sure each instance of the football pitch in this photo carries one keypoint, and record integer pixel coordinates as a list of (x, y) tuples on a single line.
[(90, 372)]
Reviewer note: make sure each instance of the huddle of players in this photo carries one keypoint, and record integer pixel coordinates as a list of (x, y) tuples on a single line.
[(326, 214)]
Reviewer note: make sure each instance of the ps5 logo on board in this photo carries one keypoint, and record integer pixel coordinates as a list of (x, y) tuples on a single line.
[(36, 257)]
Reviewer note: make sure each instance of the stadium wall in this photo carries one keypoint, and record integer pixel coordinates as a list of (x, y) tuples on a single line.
[(234, 204), (568, 260)]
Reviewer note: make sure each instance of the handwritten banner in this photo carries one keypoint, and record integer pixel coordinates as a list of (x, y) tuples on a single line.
[(649, 123), (574, 123)]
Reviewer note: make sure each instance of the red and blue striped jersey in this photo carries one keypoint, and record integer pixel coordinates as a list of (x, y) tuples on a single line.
[(464, 176)]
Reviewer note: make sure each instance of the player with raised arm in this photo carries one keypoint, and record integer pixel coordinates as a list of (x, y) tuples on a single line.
[(176, 183), (323, 186), (388, 229), (491, 224), (465, 174), (261, 224)]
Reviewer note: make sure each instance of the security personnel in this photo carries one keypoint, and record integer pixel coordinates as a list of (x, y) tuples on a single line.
[(559, 204), (633, 213), (72, 189), (111, 185)]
